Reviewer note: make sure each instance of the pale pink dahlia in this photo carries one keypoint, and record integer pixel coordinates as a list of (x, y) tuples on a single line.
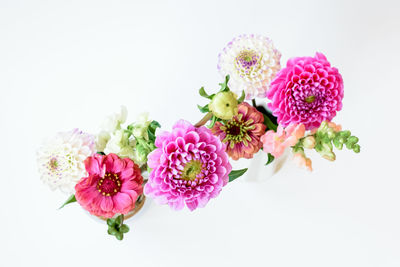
[(242, 133), (111, 187), (307, 91), (189, 165)]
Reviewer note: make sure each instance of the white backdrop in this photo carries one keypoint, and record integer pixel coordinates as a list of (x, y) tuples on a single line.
[(66, 64)]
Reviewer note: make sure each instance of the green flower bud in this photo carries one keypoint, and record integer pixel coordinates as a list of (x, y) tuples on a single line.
[(356, 148), (309, 142), (329, 156), (224, 105), (326, 152)]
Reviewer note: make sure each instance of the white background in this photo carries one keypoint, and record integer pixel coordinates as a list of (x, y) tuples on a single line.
[(66, 64)]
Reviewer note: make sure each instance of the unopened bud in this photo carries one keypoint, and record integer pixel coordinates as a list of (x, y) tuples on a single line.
[(224, 105), (309, 142)]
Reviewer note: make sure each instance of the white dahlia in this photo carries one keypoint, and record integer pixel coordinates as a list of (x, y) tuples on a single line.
[(252, 62), (61, 159)]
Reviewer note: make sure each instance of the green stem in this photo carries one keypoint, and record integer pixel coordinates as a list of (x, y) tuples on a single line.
[(254, 102), (204, 120), (269, 123), (122, 221)]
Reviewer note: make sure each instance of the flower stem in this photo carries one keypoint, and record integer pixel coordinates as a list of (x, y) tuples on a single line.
[(122, 220), (204, 120), (254, 102)]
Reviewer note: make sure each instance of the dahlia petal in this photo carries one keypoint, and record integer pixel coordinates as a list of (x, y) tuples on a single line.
[(153, 158), (192, 205), (192, 137)]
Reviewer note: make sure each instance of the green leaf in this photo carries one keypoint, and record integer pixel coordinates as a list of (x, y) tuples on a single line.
[(110, 222), (71, 199), (224, 85), (236, 174), (154, 124), (119, 219), (270, 159), (119, 236), (241, 98), (204, 109), (203, 93), (101, 153), (124, 228), (269, 123), (112, 231), (151, 130)]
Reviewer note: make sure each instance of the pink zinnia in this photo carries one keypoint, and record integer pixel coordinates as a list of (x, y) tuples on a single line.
[(307, 91), (242, 133), (112, 186), (275, 143), (189, 165)]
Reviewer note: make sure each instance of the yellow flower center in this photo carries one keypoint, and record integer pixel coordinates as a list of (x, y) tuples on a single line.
[(310, 99), (191, 170)]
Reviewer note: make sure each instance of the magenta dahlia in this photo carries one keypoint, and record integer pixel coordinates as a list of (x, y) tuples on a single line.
[(111, 187), (308, 91), (190, 166)]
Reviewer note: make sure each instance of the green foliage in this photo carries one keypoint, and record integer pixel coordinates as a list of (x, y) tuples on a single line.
[(116, 227), (224, 85), (270, 159), (204, 109), (71, 199), (234, 174), (326, 138), (270, 125), (151, 130), (241, 98), (203, 93)]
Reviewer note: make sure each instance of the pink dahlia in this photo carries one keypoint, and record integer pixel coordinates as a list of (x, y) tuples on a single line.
[(111, 187), (189, 165), (307, 91), (242, 133)]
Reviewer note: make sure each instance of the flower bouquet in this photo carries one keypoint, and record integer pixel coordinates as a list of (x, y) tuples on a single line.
[(109, 174)]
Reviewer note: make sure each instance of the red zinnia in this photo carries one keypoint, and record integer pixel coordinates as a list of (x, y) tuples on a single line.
[(112, 186)]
